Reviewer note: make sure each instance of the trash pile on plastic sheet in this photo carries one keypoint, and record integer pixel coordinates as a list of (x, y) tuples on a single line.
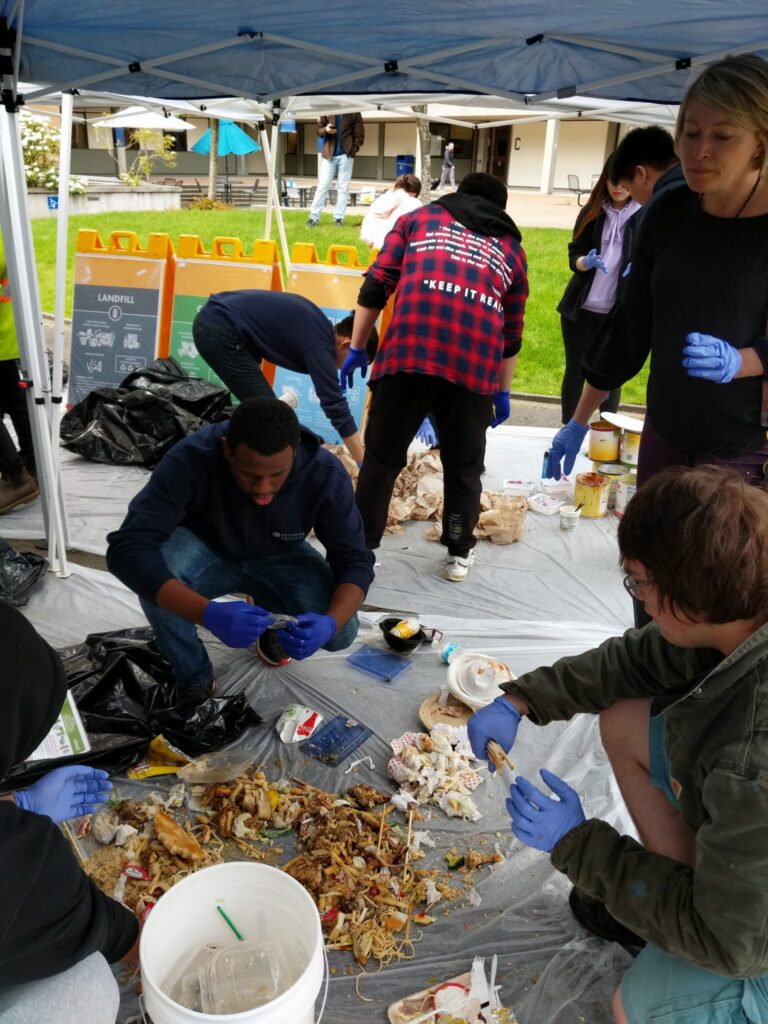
[(125, 693), (418, 495), (136, 423)]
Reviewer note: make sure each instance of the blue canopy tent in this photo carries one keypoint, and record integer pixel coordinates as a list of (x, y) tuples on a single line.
[(523, 52), (232, 139)]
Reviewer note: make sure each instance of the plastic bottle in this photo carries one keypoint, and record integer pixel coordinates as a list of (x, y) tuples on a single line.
[(448, 652)]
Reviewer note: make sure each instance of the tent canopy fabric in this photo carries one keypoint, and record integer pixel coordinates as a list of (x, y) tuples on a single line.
[(138, 117), (522, 50), (231, 140)]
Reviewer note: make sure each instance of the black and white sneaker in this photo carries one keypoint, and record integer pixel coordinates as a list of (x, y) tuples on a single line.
[(270, 651)]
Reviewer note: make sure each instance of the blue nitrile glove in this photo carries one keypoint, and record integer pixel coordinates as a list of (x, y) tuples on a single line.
[(66, 792), (593, 260), (710, 358), (537, 819), (498, 721), (305, 637), (426, 433), (236, 623), (356, 360), (566, 445), (500, 408)]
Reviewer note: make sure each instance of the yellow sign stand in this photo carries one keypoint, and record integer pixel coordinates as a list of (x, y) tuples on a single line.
[(121, 307), (226, 268)]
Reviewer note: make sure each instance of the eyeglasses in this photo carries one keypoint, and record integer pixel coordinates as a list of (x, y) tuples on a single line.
[(634, 586)]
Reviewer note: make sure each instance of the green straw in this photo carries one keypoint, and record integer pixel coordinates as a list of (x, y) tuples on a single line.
[(223, 913)]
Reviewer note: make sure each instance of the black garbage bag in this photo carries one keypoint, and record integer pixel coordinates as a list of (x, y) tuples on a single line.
[(123, 687), (19, 572), (136, 424), (166, 379)]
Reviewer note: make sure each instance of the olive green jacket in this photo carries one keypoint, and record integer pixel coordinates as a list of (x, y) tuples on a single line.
[(716, 715)]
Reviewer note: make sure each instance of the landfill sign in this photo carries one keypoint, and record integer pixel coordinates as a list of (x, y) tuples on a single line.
[(114, 330)]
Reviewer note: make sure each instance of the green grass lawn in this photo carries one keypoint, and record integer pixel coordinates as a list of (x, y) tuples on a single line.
[(539, 368)]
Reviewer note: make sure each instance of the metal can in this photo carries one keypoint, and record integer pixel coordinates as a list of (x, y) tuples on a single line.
[(630, 447), (603, 441), (591, 493), (625, 491), (614, 471)]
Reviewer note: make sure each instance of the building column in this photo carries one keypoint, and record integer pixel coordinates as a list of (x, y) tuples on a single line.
[(550, 156)]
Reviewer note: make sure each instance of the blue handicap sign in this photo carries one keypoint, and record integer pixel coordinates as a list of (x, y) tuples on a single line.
[(53, 202)]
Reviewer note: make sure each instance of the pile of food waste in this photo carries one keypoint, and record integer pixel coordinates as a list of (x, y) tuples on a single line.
[(360, 868)]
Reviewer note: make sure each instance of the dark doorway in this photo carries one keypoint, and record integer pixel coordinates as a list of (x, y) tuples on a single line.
[(499, 140)]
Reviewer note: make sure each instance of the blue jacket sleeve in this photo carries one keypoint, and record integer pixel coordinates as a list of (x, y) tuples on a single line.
[(133, 552), (339, 529), (322, 369)]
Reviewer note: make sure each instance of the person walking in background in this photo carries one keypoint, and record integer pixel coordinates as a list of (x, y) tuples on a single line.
[(448, 167), (450, 350), (384, 211), (18, 477), (597, 255), (343, 135)]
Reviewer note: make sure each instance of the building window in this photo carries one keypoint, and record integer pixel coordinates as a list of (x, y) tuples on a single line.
[(460, 136)]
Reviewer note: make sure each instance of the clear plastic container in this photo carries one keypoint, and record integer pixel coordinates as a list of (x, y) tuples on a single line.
[(245, 975)]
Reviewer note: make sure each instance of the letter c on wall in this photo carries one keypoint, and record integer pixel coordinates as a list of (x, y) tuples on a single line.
[(517, 143)]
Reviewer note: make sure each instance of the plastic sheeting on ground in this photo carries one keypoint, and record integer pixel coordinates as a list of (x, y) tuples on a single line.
[(549, 969)]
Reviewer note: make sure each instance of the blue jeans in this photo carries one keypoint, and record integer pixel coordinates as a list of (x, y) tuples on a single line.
[(297, 581), (231, 358), (340, 166)]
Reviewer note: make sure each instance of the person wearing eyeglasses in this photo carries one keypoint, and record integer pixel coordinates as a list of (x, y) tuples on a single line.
[(683, 706)]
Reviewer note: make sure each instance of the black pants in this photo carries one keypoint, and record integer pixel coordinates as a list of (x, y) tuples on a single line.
[(231, 358), (13, 403), (578, 337), (399, 404)]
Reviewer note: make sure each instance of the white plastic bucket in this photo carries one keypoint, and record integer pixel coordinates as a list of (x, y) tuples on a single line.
[(263, 902)]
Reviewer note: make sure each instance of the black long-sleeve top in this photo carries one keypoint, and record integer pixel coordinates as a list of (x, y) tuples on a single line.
[(691, 272)]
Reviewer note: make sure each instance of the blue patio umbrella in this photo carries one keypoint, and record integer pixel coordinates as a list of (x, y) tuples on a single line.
[(231, 140)]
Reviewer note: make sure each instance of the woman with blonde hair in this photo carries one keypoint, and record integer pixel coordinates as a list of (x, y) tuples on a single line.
[(384, 211), (696, 299)]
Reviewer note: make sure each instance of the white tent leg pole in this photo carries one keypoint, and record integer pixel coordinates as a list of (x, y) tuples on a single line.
[(25, 302), (62, 225), (269, 153)]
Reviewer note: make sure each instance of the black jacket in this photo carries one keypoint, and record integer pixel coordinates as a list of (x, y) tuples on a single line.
[(52, 915), (577, 289)]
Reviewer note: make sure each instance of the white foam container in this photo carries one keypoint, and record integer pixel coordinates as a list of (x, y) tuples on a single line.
[(263, 902)]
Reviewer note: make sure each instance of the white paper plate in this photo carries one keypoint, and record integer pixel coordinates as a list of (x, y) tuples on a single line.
[(475, 678), (621, 419)]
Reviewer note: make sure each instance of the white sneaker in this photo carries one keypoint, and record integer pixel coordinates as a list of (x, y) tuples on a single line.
[(456, 568)]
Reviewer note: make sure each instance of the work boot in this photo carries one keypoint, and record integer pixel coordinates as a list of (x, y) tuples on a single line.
[(592, 914), (17, 488)]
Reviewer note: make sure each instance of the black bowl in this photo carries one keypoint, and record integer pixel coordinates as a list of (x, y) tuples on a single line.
[(400, 643)]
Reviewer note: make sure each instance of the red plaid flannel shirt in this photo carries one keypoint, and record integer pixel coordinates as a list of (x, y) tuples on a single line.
[(460, 300)]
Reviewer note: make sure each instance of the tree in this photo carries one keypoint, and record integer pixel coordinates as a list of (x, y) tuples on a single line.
[(154, 147), (40, 142), (213, 156), (425, 143)]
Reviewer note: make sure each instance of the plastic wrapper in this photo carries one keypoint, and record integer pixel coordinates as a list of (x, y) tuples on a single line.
[(135, 424), (124, 691), (19, 572)]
